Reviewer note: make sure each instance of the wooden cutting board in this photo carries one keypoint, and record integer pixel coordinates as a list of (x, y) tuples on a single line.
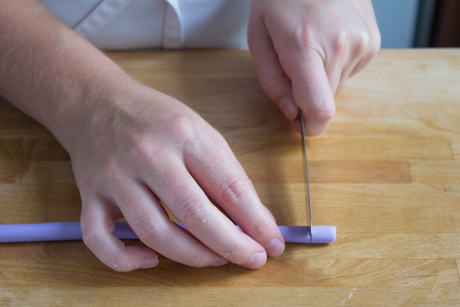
[(386, 173)]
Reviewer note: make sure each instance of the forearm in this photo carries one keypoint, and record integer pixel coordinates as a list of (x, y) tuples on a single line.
[(49, 71)]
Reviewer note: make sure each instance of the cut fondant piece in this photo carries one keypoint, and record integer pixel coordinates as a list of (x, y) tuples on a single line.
[(61, 231), (300, 234)]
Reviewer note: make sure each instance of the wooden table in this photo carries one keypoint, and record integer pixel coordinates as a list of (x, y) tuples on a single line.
[(386, 173)]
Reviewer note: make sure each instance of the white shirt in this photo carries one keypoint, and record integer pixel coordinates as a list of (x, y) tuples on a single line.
[(156, 24)]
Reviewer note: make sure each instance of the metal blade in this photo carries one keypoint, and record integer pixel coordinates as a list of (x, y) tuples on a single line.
[(307, 189)]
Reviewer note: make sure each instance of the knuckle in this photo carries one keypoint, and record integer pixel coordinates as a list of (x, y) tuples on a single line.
[(142, 147), (306, 38), (362, 44), (185, 127), (149, 230), (193, 213), (376, 37), (375, 45), (234, 190), (340, 43), (259, 229)]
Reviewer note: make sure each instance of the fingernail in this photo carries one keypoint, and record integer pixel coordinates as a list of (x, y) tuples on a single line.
[(274, 248), (148, 262), (256, 261), (219, 261)]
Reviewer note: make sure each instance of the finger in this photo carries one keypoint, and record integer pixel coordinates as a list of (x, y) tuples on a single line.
[(150, 222), (312, 90), (357, 52), (297, 125), (188, 203), (98, 226), (268, 68), (231, 188), (372, 49), (238, 165), (334, 64), (366, 59)]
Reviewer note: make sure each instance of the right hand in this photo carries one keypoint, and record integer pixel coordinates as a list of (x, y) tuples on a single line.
[(304, 49), (139, 147)]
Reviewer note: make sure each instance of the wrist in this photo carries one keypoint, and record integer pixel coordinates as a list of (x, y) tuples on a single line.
[(93, 108)]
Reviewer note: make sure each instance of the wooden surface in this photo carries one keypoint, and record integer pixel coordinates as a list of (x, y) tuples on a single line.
[(386, 173)]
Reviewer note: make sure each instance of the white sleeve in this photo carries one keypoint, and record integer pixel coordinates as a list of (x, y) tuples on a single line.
[(156, 24), (215, 23)]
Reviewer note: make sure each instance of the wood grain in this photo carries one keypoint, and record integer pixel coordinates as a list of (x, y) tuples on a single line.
[(310, 273), (32, 150), (263, 171), (455, 143), (212, 296), (386, 173)]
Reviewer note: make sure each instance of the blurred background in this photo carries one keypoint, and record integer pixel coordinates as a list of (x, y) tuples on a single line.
[(418, 23)]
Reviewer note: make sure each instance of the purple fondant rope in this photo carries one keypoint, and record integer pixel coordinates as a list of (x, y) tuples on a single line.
[(61, 231)]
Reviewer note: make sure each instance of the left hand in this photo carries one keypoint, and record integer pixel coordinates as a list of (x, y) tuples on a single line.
[(304, 49)]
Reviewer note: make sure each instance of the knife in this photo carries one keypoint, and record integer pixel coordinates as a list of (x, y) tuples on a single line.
[(307, 186)]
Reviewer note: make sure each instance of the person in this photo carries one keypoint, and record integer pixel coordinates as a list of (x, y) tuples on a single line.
[(132, 146)]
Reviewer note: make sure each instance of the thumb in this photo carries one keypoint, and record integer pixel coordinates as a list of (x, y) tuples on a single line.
[(312, 92)]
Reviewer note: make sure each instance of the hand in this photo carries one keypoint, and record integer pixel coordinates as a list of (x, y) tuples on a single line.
[(139, 147), (304, 49), (132, 147)]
